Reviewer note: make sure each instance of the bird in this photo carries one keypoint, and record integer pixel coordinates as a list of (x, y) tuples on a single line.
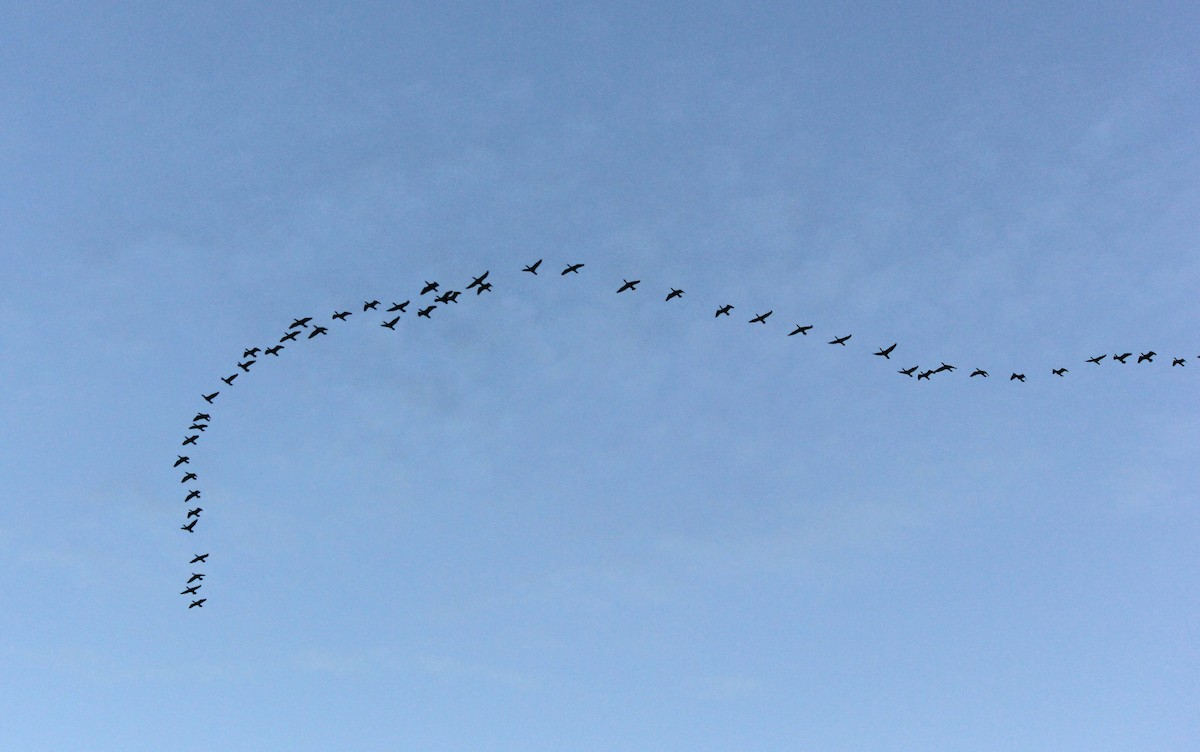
[(628, 285), (253, 351), (1147, 356), (182, 460), (1058, 372), (674, 293), (341, 315), (1177, 362), (191, 439), (979, 372), (908, 371), (425, 311), (800, 330), (1018, 376), (398, 307), (370, 305), (193, 495), (198, 604), (194, 577), (572, 268), (317, 330), (429, 287), (761, 318), (476, 281), (210, 397), (289, 336), (886, 352), (450, 296), (199, 558), (189, 527), (246, 366), (724, 310), (192, 590), (274, 350), (391, 324), (229, 379), (840, 340), (300, 322), (198, 427), (1097, 359), (532, 268), (201, 416), (189, 476), (194, 512), (1121, 358), (483, 288), (944, 367), (924, 375)]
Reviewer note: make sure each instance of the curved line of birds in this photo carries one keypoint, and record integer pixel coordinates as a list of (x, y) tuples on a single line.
[(480, 285)]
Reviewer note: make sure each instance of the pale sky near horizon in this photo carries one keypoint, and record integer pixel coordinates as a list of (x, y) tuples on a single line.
[(556, 518)]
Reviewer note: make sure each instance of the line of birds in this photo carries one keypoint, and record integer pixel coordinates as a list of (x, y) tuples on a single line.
[(201, 422)]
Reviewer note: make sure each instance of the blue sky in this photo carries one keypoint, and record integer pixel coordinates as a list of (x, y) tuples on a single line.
[(554, 518)]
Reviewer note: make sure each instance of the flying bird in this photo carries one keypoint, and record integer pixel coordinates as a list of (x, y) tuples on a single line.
[(193, 495), (229, 379), (253, 351), (182, 460), (188, 527), (317, 330), (398, 307), (391, 324), (908, 371), (341, 315), (979, 372), (198, 427), (189, 476), (425, 311), (887, 352), (289, 336), (370, 305), (1147, 356), (760, 318), (944, 367), (800, 330), (210, 397), (192, 590), (300, 322), (429, 287), (191, 439), (246, 366), (199, 603), (840, 340), (1058, 371), (1121, 358), (628, 285), (483, 288), (724, 310), (532, 268), (450, 296), (274, 350), (195, 512), (477, 280), (572, 268), (199, 558), (924, 375), (674, 293), (1097, 359), (1177, 362), (1018, 376), (193, 578), (201, 416)]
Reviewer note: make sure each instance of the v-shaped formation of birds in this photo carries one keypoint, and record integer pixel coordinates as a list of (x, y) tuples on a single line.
[(301, 328)]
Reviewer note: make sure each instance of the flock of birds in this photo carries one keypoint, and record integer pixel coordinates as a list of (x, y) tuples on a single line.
[(301, 327)]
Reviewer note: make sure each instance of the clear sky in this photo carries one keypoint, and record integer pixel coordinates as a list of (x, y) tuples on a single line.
[(556, 518)]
